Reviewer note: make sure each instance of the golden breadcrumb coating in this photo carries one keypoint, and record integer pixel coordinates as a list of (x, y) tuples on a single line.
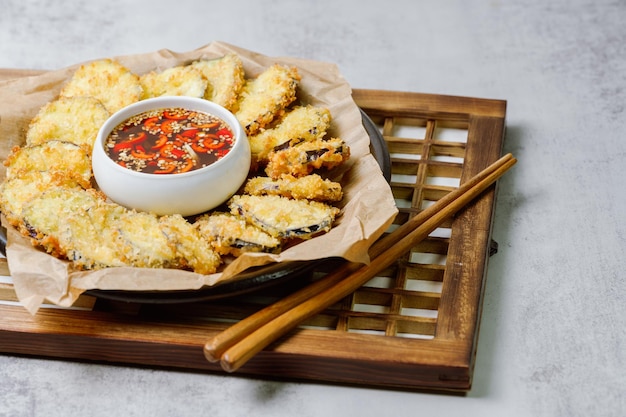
[(63, 158), (83, 227), (72, 223), (308, 187), (265, 98), (69, 119), (108, 81), (144, 243), (176, 81), (282, 217), (192, 250), (17, 191), (302, 123), (225, 77), (96, 238), (305, 157), (231, 235)]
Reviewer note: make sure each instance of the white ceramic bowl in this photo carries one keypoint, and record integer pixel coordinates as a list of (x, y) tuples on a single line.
[(187, 193)]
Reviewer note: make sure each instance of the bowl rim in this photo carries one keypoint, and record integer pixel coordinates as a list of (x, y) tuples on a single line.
[(152, 103)]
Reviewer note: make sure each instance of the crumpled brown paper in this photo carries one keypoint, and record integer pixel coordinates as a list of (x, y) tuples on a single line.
[(367, 209)]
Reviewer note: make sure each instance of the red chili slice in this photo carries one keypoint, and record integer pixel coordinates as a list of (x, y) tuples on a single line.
[(161, 141), (177, 153), (221, 153), (130, 142), (166, 126), (142, 154), (206, 125), (171, 151), (210, 143), (169, 170), (172, 116), (196, 147), (151, 122), (224, 132), (187, 167), (181, 140), (170, 166), (190, 133)]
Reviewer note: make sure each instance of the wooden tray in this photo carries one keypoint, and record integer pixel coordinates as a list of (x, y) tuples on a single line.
[(413, 327)]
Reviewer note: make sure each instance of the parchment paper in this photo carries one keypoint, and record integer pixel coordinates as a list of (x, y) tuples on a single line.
[(368, 207)]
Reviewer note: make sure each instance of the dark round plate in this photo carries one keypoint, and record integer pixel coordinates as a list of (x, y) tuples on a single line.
[(251, 280)]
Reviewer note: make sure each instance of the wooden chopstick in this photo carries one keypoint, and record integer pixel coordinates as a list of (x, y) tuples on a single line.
[(237, 344)]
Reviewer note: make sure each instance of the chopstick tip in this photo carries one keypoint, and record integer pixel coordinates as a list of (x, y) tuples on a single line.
[(210, 353), (228, 365)]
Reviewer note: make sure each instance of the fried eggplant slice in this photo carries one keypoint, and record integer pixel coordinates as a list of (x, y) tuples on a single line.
[(303, 123), (225, 78), (308, 187), (192, 251), (61, 158), (81, 226), (96, 241), (144, 243), (175, 81), (304, 158), (232, 235), (108, 81), (64, 221), (68, 119), (284, 218), (266, 97), (17, 191)]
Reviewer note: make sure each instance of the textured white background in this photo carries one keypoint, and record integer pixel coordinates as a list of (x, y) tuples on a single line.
[(552, 340)]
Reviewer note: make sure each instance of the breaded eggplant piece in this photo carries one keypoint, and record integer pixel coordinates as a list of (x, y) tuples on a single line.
[(284, 218), (61, 158), (266, 97), (225, 77), (231, 235), (303, 123), (81, 226), (305, 157), (192, 251), (96, 238), (144, 242), (66, 221), (68, 119), (108, 81), (182, 80), (17, 191), (309, 187)]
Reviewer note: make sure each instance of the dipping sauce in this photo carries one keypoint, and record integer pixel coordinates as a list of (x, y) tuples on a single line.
[(169, 141)]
